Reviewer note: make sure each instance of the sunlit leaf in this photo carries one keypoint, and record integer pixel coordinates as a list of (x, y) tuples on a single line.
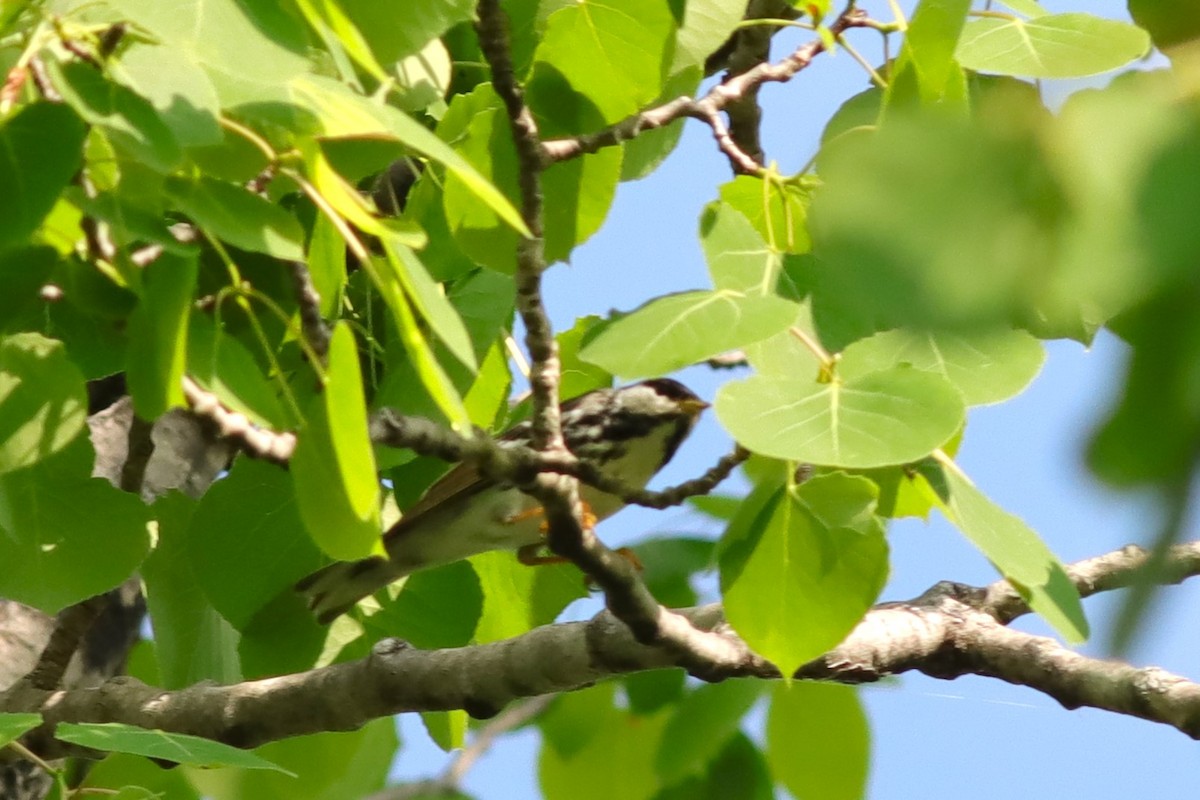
[(14, 726), (238, 216), (818, 741), (615, 53), (1050, 46), (985, 367), (798, 573), (681, 329), (1014, 548), (157, 354), (43, 397), (337, 489), (892, 416)]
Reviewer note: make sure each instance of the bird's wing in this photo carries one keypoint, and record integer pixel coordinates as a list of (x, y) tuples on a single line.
[(463, 479)]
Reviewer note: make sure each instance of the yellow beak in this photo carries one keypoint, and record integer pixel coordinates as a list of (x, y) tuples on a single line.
[(693, 407)]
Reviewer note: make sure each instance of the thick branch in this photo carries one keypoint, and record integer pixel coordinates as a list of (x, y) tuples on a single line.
[(944, 633)]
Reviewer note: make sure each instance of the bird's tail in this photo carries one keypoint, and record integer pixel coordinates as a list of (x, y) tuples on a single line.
[(333, 590)]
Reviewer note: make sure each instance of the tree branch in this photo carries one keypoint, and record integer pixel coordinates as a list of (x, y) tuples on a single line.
[(944, 633), (312, 325), (625, 593), (235, 426), (736, 90)]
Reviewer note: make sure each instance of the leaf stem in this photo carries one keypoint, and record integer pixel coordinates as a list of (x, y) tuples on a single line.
[(827, 360)]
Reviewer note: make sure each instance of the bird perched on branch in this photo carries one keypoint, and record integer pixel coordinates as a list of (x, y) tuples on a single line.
[(628, 433)]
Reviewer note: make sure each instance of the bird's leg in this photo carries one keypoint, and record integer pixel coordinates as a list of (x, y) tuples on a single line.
[(531, 555), (589, 519)]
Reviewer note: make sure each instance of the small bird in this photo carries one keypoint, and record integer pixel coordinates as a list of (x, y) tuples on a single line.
[(628, 433)]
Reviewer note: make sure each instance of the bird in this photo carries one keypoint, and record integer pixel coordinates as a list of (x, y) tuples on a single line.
[(628, 433)]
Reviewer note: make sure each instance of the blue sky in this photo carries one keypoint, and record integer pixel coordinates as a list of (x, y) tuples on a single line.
[(931, 738)]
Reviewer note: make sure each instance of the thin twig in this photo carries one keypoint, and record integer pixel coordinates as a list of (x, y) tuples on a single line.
[(312, 324), (544, 372)]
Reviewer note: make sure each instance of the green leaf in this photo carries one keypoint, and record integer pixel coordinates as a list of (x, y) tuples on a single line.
[(222, 365), (577, 193), (778, 211), (738, 256), (192, 642), (1170, 22), (646, 152), (894, 416), (122, 769), (177, 86), (926, 60), (800, 574), (333, 468), (818, 741), (578, 376), (255, 57), (23, 273), (706, 719), (517, 598), (324, 766), (395, 32), (127, 119), (14, 726), (588, 774), (436, 608), (430, 302), (244, 541), (64, 536), (1014, 549), (986, 367), (240, 217), (739, 770), (157, 353), (574, 719), (1151, 433), (447, 729), (177, 747), (1050, 46), (674, 331), (44, 400), (669, 563), (978, 249), (40, 150), (615, 52), (707, 24)]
